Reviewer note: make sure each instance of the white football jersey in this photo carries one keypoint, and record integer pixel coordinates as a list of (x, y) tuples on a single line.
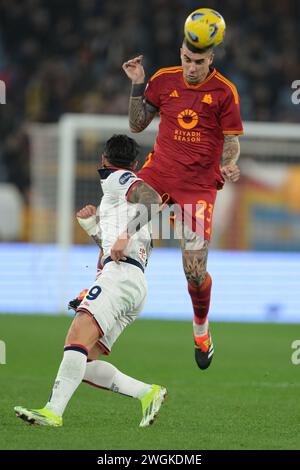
[(116, 212)]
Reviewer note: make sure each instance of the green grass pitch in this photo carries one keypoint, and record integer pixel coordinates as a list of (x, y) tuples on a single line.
[(247, 399)]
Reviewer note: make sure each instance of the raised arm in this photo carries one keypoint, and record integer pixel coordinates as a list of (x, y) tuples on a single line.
[(231, 153), (140, 112)]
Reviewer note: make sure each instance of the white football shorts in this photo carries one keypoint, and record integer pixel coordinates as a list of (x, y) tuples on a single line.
[(114, 300)]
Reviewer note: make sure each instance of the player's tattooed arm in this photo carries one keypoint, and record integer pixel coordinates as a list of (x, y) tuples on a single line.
[(97, 240), (231, 153), (231, 149), (140, 111), (149, 204)]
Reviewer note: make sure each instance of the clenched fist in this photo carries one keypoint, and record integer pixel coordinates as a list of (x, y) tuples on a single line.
[(134, 70), (86, 212)]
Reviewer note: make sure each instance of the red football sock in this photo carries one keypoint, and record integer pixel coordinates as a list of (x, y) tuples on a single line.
[(200, 296)]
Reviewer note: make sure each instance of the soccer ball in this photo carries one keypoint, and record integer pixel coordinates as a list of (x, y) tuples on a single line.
[(204, 28)]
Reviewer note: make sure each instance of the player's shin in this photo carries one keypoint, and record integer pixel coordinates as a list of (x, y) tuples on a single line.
[(200, 296), (102, 374), (69, 376)]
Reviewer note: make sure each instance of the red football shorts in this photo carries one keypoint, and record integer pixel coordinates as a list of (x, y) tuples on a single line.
[(196, 202)]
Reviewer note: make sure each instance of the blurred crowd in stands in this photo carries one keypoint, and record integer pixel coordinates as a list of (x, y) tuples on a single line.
[(60, 56)]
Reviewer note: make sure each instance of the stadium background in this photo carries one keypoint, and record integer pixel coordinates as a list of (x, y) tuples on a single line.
[(60, 57)]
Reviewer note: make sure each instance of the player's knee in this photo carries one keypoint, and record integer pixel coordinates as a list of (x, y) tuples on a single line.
[(95, 353)]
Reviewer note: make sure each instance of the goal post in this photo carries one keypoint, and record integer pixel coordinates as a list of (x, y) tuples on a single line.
[(69, 127)]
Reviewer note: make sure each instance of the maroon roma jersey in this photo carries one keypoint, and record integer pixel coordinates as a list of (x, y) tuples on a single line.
[(193, 122)]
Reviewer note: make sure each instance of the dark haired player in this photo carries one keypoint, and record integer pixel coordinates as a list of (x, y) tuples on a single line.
[(196, 150), (115, 298)]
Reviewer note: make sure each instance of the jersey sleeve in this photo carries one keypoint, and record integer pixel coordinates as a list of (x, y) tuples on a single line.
[(123, 182), (152, 93), (231, 122)]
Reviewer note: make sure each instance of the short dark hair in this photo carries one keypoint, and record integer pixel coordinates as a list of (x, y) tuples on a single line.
[(121, 150), (195, 49)]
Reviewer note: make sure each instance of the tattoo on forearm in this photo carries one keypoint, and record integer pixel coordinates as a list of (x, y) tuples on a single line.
[(194, 264), (140, 113), (149, 203), (231, 150), (97, 240), (142, 193)]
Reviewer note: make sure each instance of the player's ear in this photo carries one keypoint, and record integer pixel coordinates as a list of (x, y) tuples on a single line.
[(104, 161), (211, 58), (135, 164)]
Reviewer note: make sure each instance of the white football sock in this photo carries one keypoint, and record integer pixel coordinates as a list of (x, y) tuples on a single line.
[(69, 376), (200, 330), (104, 375)]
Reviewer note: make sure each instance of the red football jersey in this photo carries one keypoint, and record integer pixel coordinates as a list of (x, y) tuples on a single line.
[(193, 121)]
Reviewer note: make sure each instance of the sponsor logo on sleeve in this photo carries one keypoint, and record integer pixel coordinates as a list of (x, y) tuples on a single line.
[(126, 177)]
